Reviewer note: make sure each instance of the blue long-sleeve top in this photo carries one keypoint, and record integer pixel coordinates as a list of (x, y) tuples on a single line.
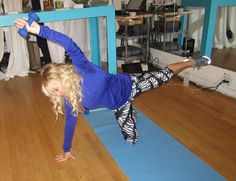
[(99, 88)]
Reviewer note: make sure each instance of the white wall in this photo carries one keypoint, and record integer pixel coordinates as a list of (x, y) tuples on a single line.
[(207, 76)]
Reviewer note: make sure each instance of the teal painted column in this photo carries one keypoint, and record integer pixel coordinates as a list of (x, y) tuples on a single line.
[(111, 39), (208, 30), (95, 40)]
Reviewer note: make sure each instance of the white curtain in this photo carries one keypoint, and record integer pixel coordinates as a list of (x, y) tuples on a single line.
[(195, 26), (19, 60), (78, 30), (225, 19), (2, 75), (1, 44), (1, 37)]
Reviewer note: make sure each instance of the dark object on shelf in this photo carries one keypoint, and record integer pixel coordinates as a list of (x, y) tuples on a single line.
[(121, 13), (4, 62), (137, 68), (99, 2), (48, 4), (130, 30), (132, 68), (133, 30), (131, 51), (189, 47), (132, 6), (167, 27), (80, 1), (166, 46), (136, 5)]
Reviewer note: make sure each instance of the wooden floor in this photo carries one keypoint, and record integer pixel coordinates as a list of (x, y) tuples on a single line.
[(224, 58), (205, 122)]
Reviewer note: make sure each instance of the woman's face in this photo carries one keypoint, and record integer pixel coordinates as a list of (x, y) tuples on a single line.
[(58, 88)]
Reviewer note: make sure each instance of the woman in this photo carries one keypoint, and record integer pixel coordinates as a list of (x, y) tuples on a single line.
[(83, 85)]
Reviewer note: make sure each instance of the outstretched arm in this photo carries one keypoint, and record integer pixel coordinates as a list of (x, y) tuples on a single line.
[(69, 45), (70, 124), (69, 129)]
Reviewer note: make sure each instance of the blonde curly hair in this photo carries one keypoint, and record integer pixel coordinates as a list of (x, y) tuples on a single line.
[(67, 76)]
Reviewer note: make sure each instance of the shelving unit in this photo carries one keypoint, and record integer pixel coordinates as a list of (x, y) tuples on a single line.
[(127, 52), (167, 32)]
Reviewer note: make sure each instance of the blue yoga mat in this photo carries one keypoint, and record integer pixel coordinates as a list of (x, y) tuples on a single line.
[(155, 157)]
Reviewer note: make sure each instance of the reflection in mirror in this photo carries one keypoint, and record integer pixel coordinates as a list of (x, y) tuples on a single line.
[(224, 43), (224, 50), (166, 31)]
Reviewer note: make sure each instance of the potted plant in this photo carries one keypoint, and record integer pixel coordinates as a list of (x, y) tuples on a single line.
[(59, 4), (80, 3), (99, 2)]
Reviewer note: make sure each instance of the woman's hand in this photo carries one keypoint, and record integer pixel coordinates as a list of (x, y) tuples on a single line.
[(64, 157), (33, 28)]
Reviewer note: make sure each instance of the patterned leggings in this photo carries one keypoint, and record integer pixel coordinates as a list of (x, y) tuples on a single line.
[(125, 115)]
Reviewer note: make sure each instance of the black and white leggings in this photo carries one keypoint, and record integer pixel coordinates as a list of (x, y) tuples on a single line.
[(125, 115)]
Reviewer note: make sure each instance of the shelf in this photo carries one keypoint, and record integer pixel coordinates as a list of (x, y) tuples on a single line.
[(173, 33), (131, 58), (119, 36), (129, 26), (131, 50), (166, 46), (130, 22)]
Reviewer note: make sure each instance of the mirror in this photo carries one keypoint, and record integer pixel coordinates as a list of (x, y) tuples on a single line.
[(224, 42)]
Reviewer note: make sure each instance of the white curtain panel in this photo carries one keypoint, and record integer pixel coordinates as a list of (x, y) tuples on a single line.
[(220, 38), (225, 19), (103, 38), (1, 44), (232, 25), (195, 26), (19, 60), (56, 51), (78, 30)]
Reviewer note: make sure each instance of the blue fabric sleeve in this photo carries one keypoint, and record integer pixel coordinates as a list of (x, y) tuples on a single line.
[(78, 59), (75, 53), (69, 129)]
